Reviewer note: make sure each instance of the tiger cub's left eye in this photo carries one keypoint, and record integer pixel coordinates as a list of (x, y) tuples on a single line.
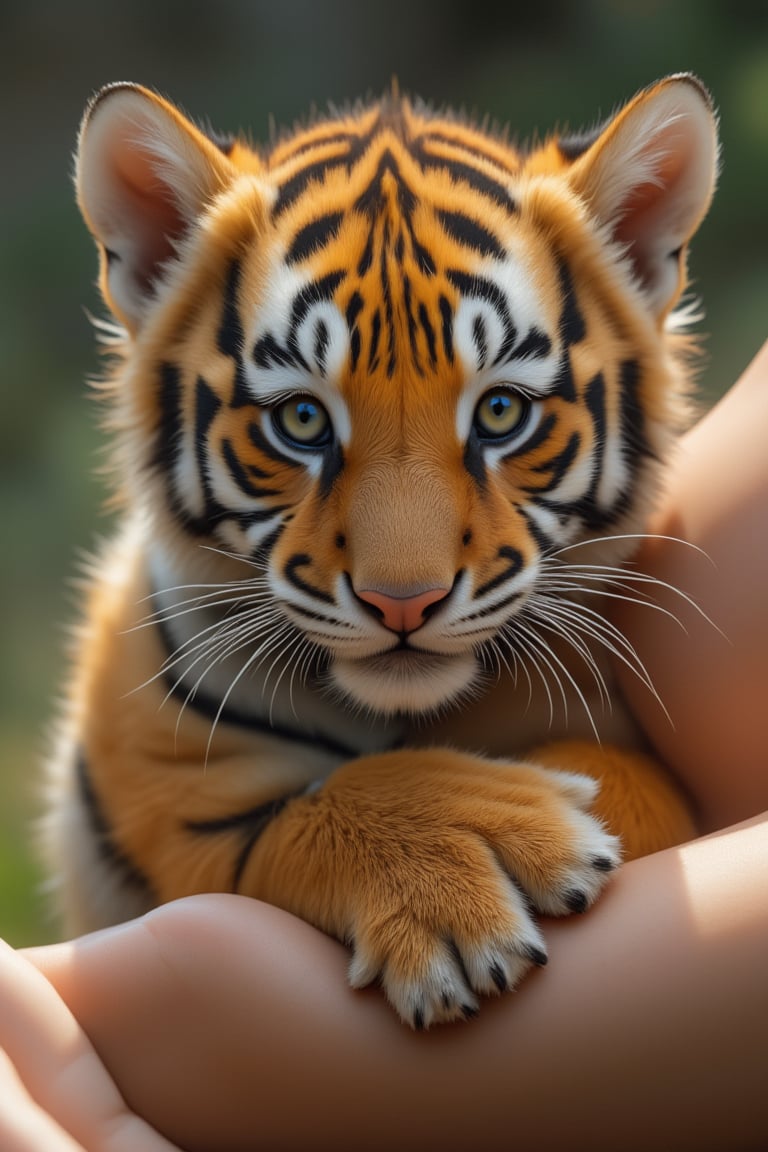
[(500, 413), (303, 421)]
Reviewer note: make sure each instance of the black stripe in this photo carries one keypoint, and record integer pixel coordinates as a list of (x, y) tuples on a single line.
[(480, 181), (575, 144), (313, 236), (564, 384), (168, 436), (295, 185), (482, 288), (224, 141), (249, 824), (314, 293), (594, 397), (535, 346), (474, 460), (372, 199), (260, 442), (229, 337), (634, 445), (366, 260), (573, 329), (544, 543), (106, 846), (594, 517), (302, 560), (429, 333), (388, 306), (559, 464), (471, 234), (446, 315), (480, 337), (542, 433), (319, 618), (169, 446), (267, 351), (262, 551), (354, 308), (423, 257), (463, 171), (207, 705), (240, 476), (292, 189), (373, 351), (461, 144), (412, 329), (207, 405), (322, 337), (334, 137), (515, 558), (333, 466), (633, 430), (482, 613)]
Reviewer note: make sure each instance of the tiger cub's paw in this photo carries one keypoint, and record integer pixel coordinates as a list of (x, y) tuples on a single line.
[(450, 915)]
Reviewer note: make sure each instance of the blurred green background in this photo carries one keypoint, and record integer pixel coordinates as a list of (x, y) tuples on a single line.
[(242, 64)]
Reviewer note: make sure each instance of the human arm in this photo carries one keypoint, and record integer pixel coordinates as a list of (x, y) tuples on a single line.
[(714, 679), (230, 1025)]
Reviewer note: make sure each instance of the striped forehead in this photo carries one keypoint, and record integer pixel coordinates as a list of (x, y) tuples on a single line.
[(401, 265), (491, 311)]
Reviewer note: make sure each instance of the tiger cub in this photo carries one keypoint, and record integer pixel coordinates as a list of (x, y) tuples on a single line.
[(390, 401)]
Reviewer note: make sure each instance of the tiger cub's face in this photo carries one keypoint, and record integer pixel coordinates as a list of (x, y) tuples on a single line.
[(395, 362)]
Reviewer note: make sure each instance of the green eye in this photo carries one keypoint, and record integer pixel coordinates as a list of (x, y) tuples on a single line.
[(303, 421), (500, 413)]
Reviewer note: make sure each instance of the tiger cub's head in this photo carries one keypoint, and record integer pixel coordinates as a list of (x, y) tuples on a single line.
[(395, 362)]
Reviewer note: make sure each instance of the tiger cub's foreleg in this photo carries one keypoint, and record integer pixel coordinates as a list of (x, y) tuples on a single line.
[(427, 862)]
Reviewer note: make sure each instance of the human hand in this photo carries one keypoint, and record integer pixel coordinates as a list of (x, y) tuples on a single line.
[(55, 1093)]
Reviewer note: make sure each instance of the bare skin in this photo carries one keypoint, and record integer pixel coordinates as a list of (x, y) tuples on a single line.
[(713, 682), (619, 1044), (228, 1024)]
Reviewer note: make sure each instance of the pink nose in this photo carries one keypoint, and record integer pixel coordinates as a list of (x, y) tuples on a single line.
[(402, 613)]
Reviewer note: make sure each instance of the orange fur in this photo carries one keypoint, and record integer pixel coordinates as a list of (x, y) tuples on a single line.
[(239, 718)]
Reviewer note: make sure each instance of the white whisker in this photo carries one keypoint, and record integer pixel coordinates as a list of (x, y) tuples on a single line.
[(252, 661), (547, 616), (522, 637), (551, 659), (637, 536)]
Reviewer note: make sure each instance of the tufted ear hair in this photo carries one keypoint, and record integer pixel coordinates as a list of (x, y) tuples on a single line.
[(649, 177), (144, 174)]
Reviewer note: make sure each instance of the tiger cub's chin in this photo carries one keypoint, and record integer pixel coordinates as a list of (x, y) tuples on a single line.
[(409, 682)]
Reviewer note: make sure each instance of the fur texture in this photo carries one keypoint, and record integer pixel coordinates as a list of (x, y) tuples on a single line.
[(390, 404)]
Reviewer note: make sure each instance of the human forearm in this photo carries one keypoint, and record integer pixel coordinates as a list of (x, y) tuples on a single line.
[(647, 1025), (713, 678)]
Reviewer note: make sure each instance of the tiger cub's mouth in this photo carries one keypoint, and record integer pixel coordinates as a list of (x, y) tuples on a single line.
[(405, 680)]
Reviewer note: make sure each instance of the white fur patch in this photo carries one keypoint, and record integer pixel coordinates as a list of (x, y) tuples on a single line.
[(270, 383)]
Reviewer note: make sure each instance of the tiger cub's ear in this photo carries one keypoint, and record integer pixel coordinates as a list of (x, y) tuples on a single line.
[(649, 177), (144, 173)]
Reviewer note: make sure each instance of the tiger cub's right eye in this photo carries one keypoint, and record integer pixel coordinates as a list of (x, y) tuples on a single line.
[(303, 422)]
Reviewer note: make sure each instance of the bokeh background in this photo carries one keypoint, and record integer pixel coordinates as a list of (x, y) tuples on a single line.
[(243, 64)]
